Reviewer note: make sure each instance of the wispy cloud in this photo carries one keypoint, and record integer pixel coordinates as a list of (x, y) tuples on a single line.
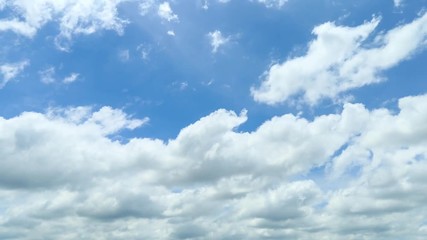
[(273, 3), (144, 51), (71, 78), (11, 70), (47, 76), (145, 6), (217, 39)]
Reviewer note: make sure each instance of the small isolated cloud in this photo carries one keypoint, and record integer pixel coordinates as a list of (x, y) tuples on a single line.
[(124, 55), (208, 83), (319, 74), (165, 12), (47, 76), (397, 3), (71, 78), (171, 33), (217, 40), (183, 86), (273, 3), (10, 71), (267, 3), (205, 5), (144, 51)]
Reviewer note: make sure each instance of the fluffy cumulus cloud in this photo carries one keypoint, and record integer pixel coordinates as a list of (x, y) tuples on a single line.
[(73, 17), (355, 62), (11, 70), (64, 176), (165, 12)]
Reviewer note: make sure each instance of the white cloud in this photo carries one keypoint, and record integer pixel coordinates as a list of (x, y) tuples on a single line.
[(319, 74), (112, 120), (397, 3), (286, 202), (73, 17), (217, 40), (18, 27), (10, 71), (387, 194), (171, 33), (106, 119), (71, 78), (219, 150), (165, 12), (145, 6), (61, 170), (267, 3), (273, 3), (42, 166), (205, 5), (47, 76)]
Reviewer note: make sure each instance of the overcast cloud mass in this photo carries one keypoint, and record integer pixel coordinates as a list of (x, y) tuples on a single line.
[(215, 119)]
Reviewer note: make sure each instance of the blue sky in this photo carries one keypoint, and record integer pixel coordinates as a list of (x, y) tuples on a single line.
[(215, 119)]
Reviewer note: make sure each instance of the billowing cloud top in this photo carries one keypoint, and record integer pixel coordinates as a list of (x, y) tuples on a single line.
[(63, 168)]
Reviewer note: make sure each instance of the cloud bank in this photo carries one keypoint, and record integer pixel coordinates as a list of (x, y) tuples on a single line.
[(61, 170)]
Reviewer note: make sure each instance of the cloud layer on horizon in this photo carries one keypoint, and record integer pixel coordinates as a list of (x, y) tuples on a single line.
[(61, 170)]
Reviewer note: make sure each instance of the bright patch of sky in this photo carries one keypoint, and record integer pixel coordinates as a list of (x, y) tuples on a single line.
[(213, 119)]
